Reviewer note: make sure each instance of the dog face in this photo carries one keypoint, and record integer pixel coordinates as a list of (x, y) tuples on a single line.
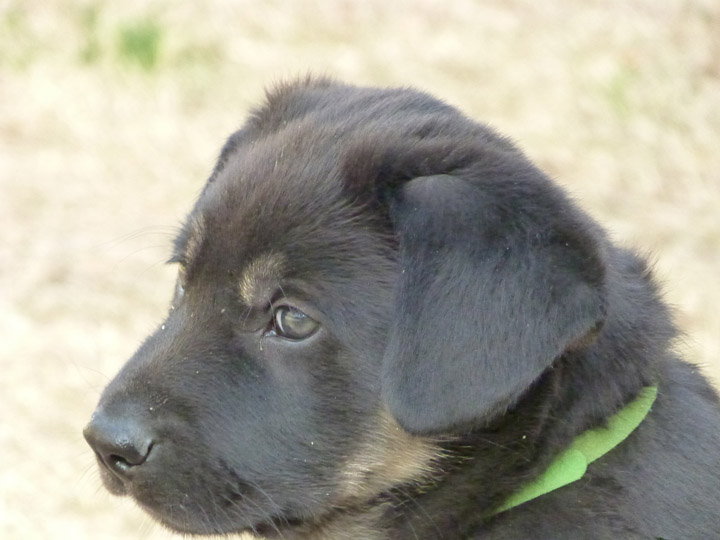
[(366, 274)]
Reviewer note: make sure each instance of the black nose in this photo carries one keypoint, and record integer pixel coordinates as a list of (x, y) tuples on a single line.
[(121, 443)]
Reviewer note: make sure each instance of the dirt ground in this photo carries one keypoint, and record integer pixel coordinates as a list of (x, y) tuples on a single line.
[(111, 114)]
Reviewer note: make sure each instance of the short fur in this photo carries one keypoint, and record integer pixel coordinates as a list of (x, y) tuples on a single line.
[(472, 322)]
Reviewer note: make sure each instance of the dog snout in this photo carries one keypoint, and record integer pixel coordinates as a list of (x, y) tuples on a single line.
[(122, 443)]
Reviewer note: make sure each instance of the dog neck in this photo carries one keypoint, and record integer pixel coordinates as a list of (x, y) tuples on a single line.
[(571, 465), (502, 457)]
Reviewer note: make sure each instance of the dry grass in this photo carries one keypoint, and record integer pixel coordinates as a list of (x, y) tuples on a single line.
[(111, 114)]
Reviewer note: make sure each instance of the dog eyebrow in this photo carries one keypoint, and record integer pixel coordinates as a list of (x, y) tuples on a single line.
[(187, 244), (265, 268)]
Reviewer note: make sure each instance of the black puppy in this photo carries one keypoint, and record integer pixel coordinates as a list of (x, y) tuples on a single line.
[(389, 324)]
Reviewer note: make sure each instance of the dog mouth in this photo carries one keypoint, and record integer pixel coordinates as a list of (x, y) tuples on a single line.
[(189, 516), (186, 515)]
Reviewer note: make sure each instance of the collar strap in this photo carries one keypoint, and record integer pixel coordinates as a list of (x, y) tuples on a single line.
[(571, 464)]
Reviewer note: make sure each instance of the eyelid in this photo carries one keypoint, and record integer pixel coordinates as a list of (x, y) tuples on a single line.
[(279, 300)]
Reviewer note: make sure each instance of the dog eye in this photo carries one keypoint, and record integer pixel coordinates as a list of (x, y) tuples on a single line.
[(180, 287), (291, 323)]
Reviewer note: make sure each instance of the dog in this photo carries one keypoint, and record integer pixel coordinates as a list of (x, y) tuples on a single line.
[(389, 324)]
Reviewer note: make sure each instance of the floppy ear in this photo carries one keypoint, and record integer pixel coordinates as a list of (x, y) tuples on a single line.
[(499, 278)]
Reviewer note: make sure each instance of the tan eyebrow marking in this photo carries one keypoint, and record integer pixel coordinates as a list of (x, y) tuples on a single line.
[(256, 275)]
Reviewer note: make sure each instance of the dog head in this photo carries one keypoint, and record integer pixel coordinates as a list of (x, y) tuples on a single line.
[(366, 272)]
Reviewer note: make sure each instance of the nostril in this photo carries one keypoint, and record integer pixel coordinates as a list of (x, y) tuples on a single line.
[(119, 443), (132, 458), (130, 453), (118, 462)]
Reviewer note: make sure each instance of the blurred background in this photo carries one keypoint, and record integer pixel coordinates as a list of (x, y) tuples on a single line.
[(112, 113)]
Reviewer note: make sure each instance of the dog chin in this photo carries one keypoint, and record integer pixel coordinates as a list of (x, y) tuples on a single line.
[(180, 519), (268, 530)]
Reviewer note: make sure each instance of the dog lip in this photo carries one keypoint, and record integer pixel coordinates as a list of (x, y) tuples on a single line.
[(113, 483)]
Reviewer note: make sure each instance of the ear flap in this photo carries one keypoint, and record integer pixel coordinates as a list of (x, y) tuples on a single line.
[(497, 281)]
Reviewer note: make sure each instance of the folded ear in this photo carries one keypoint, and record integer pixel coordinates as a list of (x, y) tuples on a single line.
[(499, 278)]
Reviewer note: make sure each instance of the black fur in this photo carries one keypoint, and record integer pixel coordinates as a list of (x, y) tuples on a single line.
[(459, 293)]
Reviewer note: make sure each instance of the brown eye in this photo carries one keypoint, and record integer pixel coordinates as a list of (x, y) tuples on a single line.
[(292, 323)]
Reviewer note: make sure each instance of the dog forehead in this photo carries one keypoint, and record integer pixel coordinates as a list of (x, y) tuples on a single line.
[(289, 172), (275, 213)]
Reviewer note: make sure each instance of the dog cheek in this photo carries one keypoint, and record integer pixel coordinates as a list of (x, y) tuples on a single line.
[(386, 457)]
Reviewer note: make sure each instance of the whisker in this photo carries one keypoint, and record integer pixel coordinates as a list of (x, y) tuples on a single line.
[(156, 230)]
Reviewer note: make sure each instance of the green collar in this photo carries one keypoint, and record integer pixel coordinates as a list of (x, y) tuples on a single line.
[(586, 448)]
